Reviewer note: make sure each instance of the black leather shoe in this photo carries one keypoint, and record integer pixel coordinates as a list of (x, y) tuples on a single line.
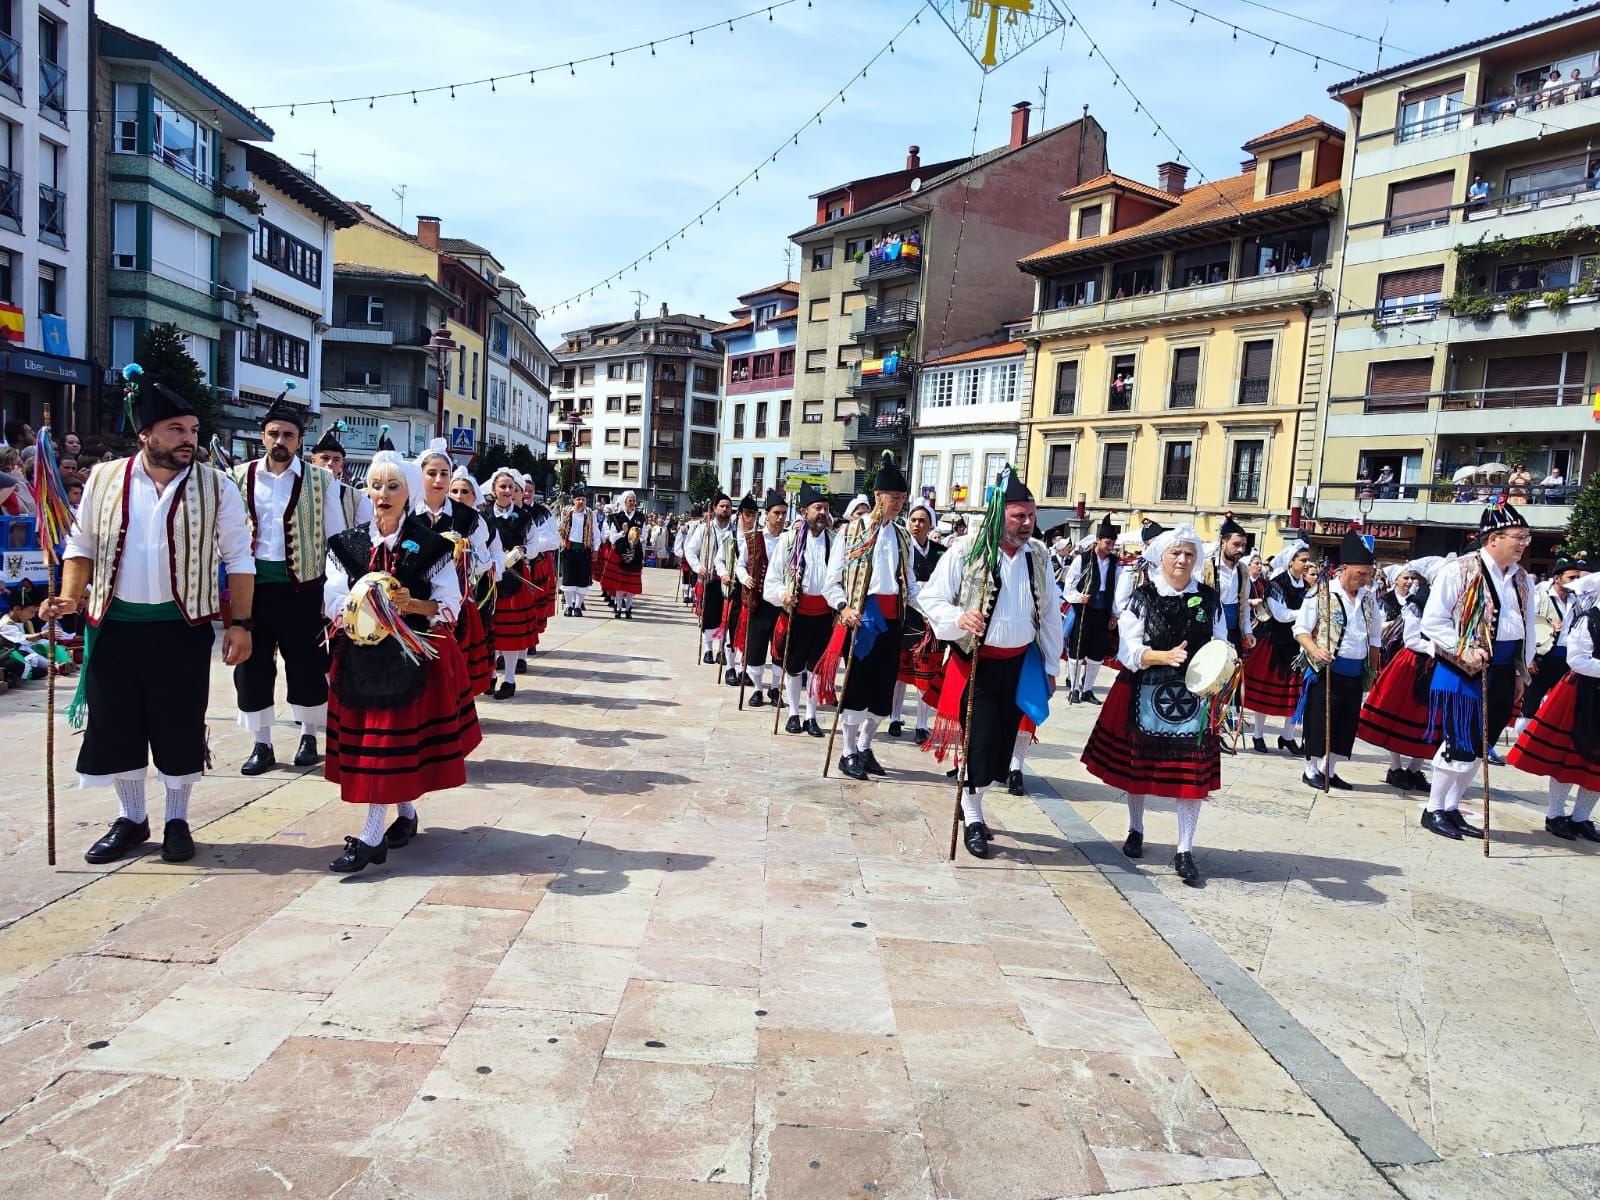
[(1313, 780), (357, 854), (730, 677), (1289, 744), (814, 729), (869, 760), (1259, 745), (1586, 831), (851, 766), (400, 832), (177, 845), (746, 681), (1340, 785), (261, 760), (123, 836), (1014, 784), (772, 697), (1133, 844), (1419, 781), (522, 664), (923, 735), (1434, 822), (1561, 827), (707, 659), (1396, 777), (1088, 697), (1183, 864), (792, 725), (1467, 831), (306, 755), (505, 691), (757, 700), (976, 838), (896, 728), (1073, 696)]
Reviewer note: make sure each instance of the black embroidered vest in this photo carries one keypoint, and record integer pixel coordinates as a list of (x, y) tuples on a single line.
[(1172, 620), (352, 548)]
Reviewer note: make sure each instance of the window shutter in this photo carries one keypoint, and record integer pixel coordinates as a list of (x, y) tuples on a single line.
[(1400, 384), (1258, 360), (1060, 460), (1186, 366), (1283, 175), (1067, 379), (1418, 196), (1116, 459), (1423, 281), (1542, 371), (1432, 90), (1089, 222)]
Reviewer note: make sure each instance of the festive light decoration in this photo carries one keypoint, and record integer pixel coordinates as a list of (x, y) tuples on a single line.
[(996, 31)]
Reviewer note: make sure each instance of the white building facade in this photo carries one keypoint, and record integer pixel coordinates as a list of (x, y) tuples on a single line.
[(965, 427), (758, 390)]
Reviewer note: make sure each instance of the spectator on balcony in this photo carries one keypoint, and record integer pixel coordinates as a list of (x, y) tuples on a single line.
[(1119, 388), (1477, 192), (1505, 104), (1553, 486), (1518, 483), (1574, 89), (1551, 93), (1384, 483), (1594, 173), (1527, 98)]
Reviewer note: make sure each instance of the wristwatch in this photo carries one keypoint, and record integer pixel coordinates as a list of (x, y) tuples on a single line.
[(245, 623)]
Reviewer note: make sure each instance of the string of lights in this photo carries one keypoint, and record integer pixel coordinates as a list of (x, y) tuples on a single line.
[(751, 176), (1317, 59), (1349, 33)]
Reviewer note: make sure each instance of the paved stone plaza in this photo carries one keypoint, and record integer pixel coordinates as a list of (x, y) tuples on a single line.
[(648, 953)]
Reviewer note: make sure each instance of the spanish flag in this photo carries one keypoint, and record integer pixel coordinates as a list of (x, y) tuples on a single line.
[(1597, 403), (11, 323)]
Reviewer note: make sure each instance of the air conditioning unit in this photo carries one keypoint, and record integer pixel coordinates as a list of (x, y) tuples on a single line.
[(222, 292)]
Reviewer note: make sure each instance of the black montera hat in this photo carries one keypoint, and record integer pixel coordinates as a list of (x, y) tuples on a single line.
[(1354, 551), (890, 478)]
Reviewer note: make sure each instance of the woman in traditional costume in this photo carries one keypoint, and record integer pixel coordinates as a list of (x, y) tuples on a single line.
[(1154, 737), (464, 527), (622, 570), (515, 622), (401, 720), (1395, 715), (1271, 685)]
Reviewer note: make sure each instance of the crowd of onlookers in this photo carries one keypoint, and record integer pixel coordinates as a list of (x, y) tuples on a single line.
[(73, 456)]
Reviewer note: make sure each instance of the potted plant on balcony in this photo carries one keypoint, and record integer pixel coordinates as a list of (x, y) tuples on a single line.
[(1556, 299), (1517, 305)]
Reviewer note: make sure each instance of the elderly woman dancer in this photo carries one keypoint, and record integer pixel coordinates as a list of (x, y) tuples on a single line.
[(399, 725), (1153, 737), (468, 532), (1271, 685)]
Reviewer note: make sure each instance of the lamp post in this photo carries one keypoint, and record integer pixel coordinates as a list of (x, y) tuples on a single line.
[(442, 345), (573, 422)]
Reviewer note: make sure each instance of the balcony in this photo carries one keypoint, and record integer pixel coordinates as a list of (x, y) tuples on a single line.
[(1058, 487), (1254, 391), (10, 67), (1557, 408), (1175, 485), (1244, 488), (1439, 504), (884, 320), (762, 383), (895, 373), (52, 215), (670, 389), (10, 200), (889, 429), (1182, 394), (359, 395), (53, 91), (894, 260), (392, 333), (1248, 292), (1560, 197)]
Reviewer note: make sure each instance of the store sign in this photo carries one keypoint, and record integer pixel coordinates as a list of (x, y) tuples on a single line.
[(1388, 531), (45, 366)]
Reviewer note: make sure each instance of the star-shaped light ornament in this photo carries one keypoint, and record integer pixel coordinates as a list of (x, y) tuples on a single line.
[(995, 31)]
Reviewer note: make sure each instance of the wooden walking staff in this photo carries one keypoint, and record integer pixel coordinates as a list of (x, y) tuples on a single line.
[(962, 773), (858, 602), (48, 503), (788, 640), (1483, 696)]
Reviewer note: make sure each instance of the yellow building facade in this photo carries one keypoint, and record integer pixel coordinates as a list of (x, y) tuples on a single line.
[(1177, 352)]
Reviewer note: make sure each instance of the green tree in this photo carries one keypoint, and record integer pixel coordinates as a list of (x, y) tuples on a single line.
[(1583, 526), (522, 459), (564, 474), (162, 354), (490, 461), (703, 484)]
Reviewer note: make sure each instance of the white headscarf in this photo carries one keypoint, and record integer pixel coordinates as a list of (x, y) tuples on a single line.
[(859, 500), (1282, 559), (925, 506), (1427, 566), (409, 471), (1183, 533), (477, 492), (509, 473), (438, 448)]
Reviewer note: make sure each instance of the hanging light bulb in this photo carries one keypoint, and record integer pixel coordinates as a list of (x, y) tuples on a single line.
[(371, 100)]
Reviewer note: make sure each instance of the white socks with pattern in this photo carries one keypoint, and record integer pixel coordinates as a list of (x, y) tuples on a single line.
[(1188, 820), (972, 806), (1136, 812), (130, 800), (178, 801), (377, 815)]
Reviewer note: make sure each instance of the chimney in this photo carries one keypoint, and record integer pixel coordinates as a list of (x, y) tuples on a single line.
[(1247, 167), (1174, 177), (663, 310), (913, 158), (428, 232), (1019, 122)]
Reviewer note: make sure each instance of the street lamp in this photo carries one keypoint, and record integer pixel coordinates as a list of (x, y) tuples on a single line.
[(442, 345), (573, 422)]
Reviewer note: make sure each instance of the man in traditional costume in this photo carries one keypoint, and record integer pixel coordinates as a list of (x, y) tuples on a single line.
[(1340, 634), (1552, 601), (294, 509), (1091, 589), (1272, 685), (733, 630), (1228, 571), (1153, 736), (1395, 715), (994, 598), (580, 539), (150, 535), (402, 719), (797, 583), (870, 583), (627, 533), (922, 653), (758, 555), (708, 544), (1562, 739), (468, 533), (328, 454), (1480, 619)]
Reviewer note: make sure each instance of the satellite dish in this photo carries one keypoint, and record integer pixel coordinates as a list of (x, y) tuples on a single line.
[(916, 184)]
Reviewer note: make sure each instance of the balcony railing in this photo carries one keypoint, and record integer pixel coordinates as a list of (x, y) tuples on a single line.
[(669, 389), (1119, 399), (1112, 486), (1468, 399), (1492, 112), (1057, 486), (52, 215), (1282, 287), (892, 261), (1443, 493), (53, 90), (1175, 486), (894, 373), (1245, 488), (1066, 404), (881, 320), (1546, 197), (1254, 391), (1182, 395), (10, 199), (11, 67), (888, 430)]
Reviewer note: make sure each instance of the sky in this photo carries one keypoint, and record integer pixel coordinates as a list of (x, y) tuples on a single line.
[(571, 177)]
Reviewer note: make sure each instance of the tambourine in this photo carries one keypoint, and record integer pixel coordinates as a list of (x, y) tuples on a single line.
[(514, 557), (366, 609), (1211, 668)]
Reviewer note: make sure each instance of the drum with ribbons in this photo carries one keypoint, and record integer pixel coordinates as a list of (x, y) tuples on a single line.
[(1211, 668), (369, 609)]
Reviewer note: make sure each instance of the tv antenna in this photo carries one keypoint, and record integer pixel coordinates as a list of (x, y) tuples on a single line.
[(312, 158), (638, 302), (400, 195), (788, 262)]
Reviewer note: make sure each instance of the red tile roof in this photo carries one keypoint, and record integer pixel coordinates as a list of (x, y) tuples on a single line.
[(1003, 350), (1108, 180), (788, 285), (1306, 124)]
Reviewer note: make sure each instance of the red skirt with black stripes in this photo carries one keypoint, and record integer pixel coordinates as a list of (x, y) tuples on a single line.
[(1268, 688), (516, 624), (473, 639), (1115, 756), (1392, 717), (1546, 747), (393, 755)]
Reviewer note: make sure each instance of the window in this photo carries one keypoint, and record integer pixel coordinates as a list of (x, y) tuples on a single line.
[(52, 200), (783, 418), (812, 413), (851, 302), (1283, 174), (761, 419), (1255, 373), (1121, 397), (1058, 482), (1176, 460), (845, 408), (816, 361), (1541, 276), (705, 412), (179, 251), (1114, 471), (834, 210), (993, 464), (758, 474), (281, 352), (927, 474), (500, 339), (635, 372), (842, 462), (1292, 250), (822, 260), (180, 141), (707, 379), (1069, 291), (1405, 293), (50, 289), (122, 340), (1138, 278), (855, 246), (474, 374), (1400, 385), (785, 363), (960, 473), (739, 370), (736, 477), (849, 354), (1555, 177), (288, 254), (938, 389), (614, 404), (124, 235), (738, 420), (1420, 203), (614, 370), (586, 375), (1429, 110), (1244, 480), (762, 366), (1523, 379), (630, 472), (818, 311), (763, 315), (1185, 377), (1204, 264), (631, 438), (702, 445), (10, 180), (363, 310), (613, 437), (1089, 222), (52, 73), (612, 467), (635, 406)]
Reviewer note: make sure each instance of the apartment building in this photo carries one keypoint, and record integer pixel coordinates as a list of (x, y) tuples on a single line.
[(876, 271), (518, 413), (758, 389), (45, 133), (647, 392), (964, 426), (1469, 295), (1179, 341)]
